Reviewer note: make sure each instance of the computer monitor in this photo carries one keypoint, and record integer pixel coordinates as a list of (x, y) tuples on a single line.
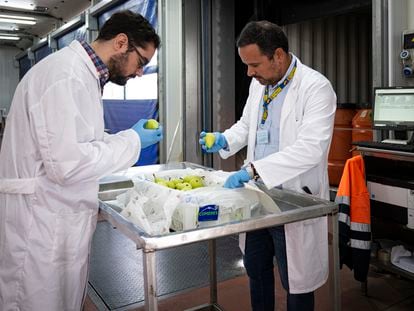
[(394, 108)]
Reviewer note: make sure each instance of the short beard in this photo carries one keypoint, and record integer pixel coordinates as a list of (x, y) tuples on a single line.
[(264, 82), (115, 66)]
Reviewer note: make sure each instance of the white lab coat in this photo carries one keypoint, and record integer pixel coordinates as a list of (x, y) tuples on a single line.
[(306, 128), (54, 151)]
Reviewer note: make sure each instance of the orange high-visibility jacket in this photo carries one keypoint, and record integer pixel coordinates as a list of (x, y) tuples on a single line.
[(354, 219)]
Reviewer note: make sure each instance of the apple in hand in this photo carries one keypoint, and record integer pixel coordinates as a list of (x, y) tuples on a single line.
[(151, 124), (209, 139)]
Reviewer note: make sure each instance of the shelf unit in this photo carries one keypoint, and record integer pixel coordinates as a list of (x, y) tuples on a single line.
[(396, 168)]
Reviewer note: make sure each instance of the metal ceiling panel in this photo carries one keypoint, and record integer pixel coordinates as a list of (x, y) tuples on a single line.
[(48, 15)]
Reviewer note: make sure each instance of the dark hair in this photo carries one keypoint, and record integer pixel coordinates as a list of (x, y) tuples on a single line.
[(266, 35), (138, 30)]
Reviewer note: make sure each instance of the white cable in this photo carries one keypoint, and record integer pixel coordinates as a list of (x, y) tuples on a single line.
[(172, 142)]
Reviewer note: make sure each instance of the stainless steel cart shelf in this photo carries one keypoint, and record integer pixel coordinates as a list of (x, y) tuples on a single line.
[(294, 207)]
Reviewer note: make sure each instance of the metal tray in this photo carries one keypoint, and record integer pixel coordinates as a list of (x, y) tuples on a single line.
[(294, 207)]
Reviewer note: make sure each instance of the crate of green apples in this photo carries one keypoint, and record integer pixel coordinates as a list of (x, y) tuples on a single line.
[(185, 183), (185, 199)]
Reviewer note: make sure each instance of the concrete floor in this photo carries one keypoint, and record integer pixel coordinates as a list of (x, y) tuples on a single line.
[(385, 292)]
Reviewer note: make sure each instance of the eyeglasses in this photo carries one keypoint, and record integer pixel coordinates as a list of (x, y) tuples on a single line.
[(142, 61)]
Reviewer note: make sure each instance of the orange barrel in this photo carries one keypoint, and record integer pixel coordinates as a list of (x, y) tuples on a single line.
[(341, 142), (362, 127)]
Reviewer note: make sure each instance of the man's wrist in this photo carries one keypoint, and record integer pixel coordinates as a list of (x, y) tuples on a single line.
[(224, 144), (255, 174), (251, 171)]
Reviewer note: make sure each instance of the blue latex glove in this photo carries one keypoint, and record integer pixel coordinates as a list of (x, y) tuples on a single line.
[(220, 142), (237, 179), (148, 136)]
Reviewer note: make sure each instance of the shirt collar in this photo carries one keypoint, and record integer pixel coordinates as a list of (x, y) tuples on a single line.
[(101, 68), (292, 64)]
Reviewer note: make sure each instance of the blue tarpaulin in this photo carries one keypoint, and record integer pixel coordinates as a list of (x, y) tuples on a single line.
[(123, 114), (147, 8)]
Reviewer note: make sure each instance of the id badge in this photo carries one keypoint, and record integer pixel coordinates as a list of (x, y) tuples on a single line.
[(262, 137)]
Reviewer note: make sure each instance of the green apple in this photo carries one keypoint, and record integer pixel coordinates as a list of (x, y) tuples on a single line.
[(158, 179), (151, 124), (176, 181), (183, 186), (196, 182), (186, 186), (162, 183), (171, 184), (209, 139), (188, 178)]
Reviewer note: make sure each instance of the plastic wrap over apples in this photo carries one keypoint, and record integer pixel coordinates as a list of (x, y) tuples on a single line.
[(187, 199)]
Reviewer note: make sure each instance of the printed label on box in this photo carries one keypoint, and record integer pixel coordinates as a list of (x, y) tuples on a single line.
[(208, 212)]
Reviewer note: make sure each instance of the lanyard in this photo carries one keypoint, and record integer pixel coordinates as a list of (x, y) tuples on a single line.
[(268, 99)]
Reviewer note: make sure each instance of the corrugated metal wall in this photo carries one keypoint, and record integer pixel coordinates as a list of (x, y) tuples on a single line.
[(340, 48)]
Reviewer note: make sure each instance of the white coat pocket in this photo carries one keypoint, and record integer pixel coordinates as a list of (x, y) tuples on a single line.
[(72, 234)]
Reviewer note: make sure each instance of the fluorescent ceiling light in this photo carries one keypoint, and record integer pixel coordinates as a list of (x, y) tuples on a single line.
[(9, 38), (16, 21), (9, 27), (29, 18), (24, 6)]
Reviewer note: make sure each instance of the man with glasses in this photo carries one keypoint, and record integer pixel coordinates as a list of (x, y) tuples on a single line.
[(142, 61), (54, 152)]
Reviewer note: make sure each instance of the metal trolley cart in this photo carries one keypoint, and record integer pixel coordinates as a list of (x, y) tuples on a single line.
[(293, 206)]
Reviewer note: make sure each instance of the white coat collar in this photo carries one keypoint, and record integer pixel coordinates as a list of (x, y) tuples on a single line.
[(79, 49), (298, 73), (292, 63), (292, 93), (290, 96), (294, 82)]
